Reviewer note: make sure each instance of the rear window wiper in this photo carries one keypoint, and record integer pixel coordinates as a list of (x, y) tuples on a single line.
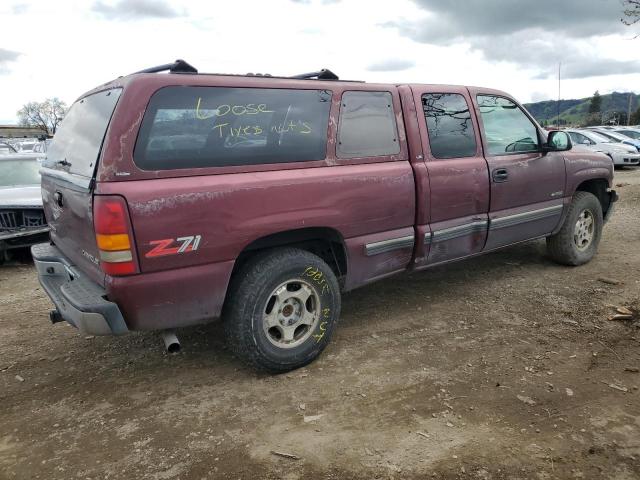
[(64, 162)]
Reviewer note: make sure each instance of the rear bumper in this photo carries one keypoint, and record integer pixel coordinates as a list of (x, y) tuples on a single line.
[(79, 300)]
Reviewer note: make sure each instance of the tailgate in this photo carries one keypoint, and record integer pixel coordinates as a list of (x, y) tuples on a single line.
[(68, 178)]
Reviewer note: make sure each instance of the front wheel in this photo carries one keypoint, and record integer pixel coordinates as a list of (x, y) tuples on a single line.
[(577, 241), (282, 308)]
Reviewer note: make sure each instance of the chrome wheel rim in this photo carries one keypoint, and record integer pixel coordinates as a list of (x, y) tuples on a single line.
[(583, 230), (291, 313)]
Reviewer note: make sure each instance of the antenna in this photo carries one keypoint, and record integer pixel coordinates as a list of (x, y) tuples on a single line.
[(558, 121)]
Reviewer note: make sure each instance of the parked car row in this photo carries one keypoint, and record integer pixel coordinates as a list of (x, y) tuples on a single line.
[(617, 136), (622, 148), (26, 145)]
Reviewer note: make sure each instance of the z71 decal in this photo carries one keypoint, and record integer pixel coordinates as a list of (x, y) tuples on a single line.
[(170, 246)]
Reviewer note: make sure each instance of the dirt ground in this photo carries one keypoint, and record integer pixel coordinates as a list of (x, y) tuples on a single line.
[(501, 367)]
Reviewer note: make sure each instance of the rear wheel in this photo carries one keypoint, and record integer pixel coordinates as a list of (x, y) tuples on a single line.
[(282, 308), (577, 241)]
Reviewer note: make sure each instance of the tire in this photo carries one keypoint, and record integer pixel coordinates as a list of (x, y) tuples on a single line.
[(577, 241), (269, 322)]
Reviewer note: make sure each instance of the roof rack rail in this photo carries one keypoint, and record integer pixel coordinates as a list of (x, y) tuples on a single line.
[(324, 74), (179, 66)]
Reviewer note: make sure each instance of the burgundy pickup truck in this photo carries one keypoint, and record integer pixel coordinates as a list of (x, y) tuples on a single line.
[(178, 198)]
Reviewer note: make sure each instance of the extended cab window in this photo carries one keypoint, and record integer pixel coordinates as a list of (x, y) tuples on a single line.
[(367, 125), (191, 127), (506, 128), (449, 125)]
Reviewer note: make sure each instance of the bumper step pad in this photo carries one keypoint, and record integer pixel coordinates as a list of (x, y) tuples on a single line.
[(79, 300)]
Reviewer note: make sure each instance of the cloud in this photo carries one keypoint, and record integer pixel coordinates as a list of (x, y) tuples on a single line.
[(594, 67), (391, 65), (19, 8), (135, 10), (309, 2), (7, 57), (533, 36), (449, 21)]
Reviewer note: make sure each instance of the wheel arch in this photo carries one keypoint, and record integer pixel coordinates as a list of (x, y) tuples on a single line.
[(327, 243), (599, 188)]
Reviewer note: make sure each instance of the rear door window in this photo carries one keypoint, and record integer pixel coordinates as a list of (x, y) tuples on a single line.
[(449, 125), (367, 125), (77, 142), (192, 127)]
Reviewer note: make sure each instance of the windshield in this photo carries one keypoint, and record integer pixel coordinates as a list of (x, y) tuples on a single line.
[(6, 148), (613, 137), (78, 141), (19, 172), (597, 137), (27, 147), (630, 133)]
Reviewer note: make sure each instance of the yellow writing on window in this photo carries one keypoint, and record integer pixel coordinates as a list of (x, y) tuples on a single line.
[(298, 126), (225, 129), (237, 110)]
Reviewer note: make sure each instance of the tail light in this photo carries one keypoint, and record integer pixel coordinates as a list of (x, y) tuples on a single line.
[(113, 235)]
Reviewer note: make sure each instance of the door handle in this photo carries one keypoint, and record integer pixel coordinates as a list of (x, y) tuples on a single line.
[(500, 175)]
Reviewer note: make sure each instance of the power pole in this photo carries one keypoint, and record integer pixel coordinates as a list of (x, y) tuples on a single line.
[(558, 120), (629, 110)]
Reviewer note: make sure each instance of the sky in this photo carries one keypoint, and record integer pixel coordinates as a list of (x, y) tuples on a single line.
[(63, 48)]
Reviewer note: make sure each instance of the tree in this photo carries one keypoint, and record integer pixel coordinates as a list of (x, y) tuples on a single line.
[(635, 117), (631, 12), (595, 107), (45, 115), (596, 102)]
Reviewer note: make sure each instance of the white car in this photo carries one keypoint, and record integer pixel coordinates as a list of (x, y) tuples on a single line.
[(616, 137), (621, 154), (22, 221), (629, 132)]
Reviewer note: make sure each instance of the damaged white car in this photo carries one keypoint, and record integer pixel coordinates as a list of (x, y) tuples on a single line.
[(22, 221)]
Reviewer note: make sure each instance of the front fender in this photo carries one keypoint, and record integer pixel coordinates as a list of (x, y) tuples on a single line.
[(583, 166)]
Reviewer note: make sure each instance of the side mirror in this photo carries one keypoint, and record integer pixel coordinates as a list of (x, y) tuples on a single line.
[(558, 141)]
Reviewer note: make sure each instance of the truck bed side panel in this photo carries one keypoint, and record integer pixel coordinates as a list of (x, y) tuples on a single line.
[(228, 212)]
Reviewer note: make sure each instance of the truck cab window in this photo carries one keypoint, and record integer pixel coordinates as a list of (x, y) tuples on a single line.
[(449, 125), (367, 125), (506, 128), (197, 127)]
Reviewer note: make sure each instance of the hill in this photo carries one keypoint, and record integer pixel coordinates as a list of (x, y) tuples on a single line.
[(574, 111)]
